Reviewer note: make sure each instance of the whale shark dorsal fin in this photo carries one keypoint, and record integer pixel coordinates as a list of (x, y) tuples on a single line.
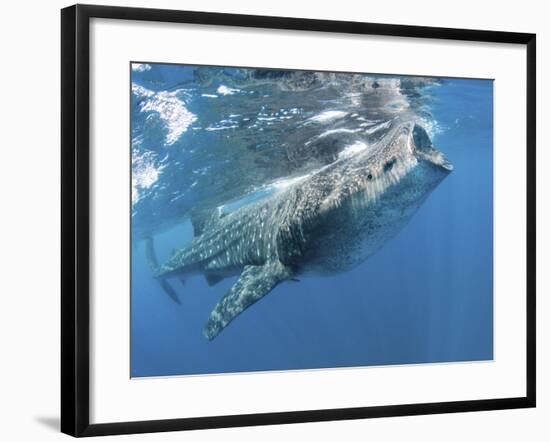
[(203, 219), (254, 283), (198, 223)]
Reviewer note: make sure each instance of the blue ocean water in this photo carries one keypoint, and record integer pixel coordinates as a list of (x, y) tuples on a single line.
[(227, 137)]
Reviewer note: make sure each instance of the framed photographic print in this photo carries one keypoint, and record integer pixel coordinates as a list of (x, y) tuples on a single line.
[(292, 220)]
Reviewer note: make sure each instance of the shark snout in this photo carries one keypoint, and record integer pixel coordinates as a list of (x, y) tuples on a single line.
[(436, 158), (447, 165), (425, 150), (439, 159)]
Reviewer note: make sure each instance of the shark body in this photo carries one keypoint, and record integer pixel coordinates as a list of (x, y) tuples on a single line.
[(325, 223)]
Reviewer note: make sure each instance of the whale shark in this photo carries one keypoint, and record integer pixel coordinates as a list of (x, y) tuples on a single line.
[(327, 222)]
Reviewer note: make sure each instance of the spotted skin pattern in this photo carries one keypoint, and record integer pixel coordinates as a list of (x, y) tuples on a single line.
[(325, 223)]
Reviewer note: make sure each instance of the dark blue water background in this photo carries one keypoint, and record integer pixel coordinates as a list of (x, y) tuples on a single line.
[(426, 297)]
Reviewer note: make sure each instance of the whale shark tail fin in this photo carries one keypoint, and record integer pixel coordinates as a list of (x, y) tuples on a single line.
[(153, 263), (254, 283), (151, 254), (169, 290)]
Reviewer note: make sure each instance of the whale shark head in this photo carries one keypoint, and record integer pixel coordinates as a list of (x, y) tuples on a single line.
[(403, 166), (374, 193)]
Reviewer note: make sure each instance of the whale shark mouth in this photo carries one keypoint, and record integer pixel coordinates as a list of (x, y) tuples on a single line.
[(422, 147), (437, 158), (446, 164)]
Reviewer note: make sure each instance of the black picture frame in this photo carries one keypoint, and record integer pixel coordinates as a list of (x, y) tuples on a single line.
[(75, 212)]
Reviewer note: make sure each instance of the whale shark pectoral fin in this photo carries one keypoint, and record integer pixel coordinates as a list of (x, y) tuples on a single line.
[(254, 283)]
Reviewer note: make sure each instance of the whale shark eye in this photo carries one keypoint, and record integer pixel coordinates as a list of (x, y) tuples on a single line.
[(388, 166), (369, 176)]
